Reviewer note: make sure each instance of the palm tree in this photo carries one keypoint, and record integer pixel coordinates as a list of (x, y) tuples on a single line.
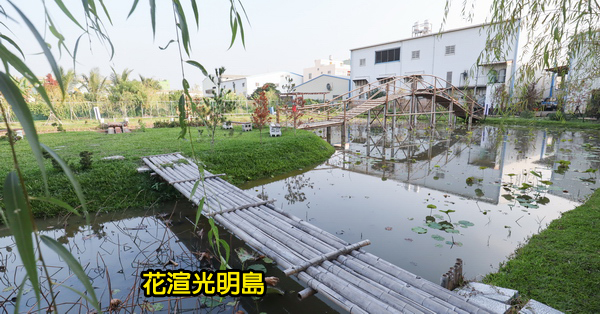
[(94, 83), (69, 79)]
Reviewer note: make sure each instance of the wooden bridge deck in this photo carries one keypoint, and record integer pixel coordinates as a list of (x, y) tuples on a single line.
[(357, 281)]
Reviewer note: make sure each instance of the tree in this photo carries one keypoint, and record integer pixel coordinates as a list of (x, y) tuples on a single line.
[(557, 33), (261, 115), (94, 83), (214, 109), (270, 89)]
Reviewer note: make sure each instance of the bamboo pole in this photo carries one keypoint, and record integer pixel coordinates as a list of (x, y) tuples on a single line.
[(305, 293), (240, 207), (325, 257)]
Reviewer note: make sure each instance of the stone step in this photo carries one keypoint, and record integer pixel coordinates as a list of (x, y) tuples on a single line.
[(535, 307)]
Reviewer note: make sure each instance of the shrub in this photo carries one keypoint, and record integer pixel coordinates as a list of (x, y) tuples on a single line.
[(527, 114), (86, 160)]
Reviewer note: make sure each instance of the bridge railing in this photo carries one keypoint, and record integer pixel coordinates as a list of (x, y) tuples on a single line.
[(390, 86)]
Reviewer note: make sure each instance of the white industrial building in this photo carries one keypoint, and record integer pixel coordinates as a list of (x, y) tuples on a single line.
[(246, 85), (451, 55), (324, 87), (327, 66)]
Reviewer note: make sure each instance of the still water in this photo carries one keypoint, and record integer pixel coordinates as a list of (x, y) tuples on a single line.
[(423, 198)]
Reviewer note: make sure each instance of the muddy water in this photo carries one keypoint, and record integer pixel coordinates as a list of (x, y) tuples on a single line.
[(422, 197)]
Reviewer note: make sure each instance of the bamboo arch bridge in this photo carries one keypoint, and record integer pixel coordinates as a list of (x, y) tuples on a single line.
[(399, 96), (350, 277)]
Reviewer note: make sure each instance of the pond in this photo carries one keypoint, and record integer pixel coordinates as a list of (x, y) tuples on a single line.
[(423, 197)]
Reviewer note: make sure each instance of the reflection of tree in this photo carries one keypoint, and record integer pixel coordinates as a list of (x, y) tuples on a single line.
[(294, 187)]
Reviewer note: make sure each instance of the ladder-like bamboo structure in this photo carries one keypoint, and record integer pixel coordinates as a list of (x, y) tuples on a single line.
[(399, 96), (353, 279)]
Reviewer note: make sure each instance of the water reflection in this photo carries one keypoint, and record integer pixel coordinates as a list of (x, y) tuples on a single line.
[(425, 197)]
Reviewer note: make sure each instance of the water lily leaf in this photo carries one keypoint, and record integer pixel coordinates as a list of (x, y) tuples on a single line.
[(448, 211), (431, 206), (446, 224), (508, 197), (591, 170), (470, 181), (525, 186), (529, 205), (274, 290), (535, 173), (429, 218), (419, 230), (209, 302), (258, 267), (482, 167), (466, 223), (437, 237), (439, 245), (434, 225), (267, 260), (451, 231), (454, 243), (511, 174), (438, 216), (543, 200), (244, 255), (479, 192)]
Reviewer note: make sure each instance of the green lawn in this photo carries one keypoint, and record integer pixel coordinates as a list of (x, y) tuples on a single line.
[(561, 265), (116, 185)]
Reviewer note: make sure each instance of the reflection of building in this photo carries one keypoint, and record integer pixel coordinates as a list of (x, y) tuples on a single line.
[(451, 55)]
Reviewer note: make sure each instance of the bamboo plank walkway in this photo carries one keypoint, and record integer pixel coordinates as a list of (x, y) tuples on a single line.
[(355, 280)]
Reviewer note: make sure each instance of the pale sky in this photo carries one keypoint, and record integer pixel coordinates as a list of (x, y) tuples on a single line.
[(280, 36)]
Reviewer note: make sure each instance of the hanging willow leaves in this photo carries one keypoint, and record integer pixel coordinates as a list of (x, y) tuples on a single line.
[(43, 45), (13, 96), (19, 218)]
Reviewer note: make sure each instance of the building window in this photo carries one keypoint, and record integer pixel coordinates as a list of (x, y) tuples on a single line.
[(362, 62), (383, 80), (450, 50), (243, 84), (257, 85), (416, 54), (501, 75), (328, 72), (309, 76), (448, 79), (387, 55)]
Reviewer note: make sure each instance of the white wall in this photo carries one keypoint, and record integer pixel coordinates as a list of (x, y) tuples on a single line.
[(339, 86), (278, 78), (468, 43)]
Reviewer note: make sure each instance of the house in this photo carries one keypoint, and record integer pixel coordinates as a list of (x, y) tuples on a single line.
[(324, 87), (451, 55), (330, 67), (246, 85)]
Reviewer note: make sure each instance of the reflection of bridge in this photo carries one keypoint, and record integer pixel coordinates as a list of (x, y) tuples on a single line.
[(407, 96)]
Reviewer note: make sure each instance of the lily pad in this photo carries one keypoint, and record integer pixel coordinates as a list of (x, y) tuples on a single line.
[(258, 267), (244, 255), (508, 197), (543, 200), (438, 216), (419, 230), (466, 223), (274, 290), (434, 225), (209, 302), (511, 174), (451, 231), (429, 218), (437, 237), (448, 211), (431, 206), (479, 192)]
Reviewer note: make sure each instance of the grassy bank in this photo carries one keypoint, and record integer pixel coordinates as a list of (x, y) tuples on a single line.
[(543, 122), (561, 265), (116, 185)]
